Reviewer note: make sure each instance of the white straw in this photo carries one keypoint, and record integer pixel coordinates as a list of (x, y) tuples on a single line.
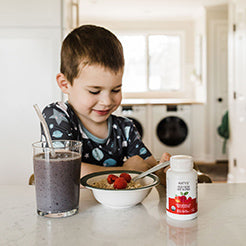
[(45, 128)]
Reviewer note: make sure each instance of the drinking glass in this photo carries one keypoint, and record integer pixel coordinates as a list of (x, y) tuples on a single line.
[(57, 178)]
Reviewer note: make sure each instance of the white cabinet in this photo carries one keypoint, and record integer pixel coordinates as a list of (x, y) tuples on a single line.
[(29, 61), (30, 41)]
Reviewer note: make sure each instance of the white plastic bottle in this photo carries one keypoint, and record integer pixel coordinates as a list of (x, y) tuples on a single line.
[(181, 200)]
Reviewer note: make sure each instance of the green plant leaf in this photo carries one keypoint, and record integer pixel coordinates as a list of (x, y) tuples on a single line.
[(182, 193), (186, 193)]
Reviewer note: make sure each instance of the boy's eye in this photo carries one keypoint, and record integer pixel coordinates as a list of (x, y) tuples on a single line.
[(116, 91), (94, 92)]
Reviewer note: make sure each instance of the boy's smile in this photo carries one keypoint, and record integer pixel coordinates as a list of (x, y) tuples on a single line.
[(94, 96), (102, 112)]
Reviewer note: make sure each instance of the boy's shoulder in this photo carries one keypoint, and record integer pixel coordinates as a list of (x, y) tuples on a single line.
[(57, 105), (61, 108), (121, 120)]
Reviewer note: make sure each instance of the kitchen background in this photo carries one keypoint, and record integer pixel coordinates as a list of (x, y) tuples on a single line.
[(184, 65)]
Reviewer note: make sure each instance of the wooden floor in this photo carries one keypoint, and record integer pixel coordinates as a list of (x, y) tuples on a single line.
[(216, 171)]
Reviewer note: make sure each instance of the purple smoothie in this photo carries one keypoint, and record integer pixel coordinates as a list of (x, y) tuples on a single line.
[(57, 182)]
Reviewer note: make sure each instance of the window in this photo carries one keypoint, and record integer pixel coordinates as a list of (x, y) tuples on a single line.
[(164, 62), (134, 79), (152, 63)]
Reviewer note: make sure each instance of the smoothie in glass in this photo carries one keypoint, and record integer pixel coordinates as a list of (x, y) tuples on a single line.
[(57, 181)]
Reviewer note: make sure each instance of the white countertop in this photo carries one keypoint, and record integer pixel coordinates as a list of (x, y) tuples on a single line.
[(221, 220), (158, 101)]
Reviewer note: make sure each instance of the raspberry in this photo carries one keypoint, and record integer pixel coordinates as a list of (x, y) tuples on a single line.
[(111, 178), (126, 176), (120, 183), (189, 199), (182, 199)]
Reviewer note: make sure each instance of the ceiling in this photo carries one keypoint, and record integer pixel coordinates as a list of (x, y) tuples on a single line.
[(138, 10)]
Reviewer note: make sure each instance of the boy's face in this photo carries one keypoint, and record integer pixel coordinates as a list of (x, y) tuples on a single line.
[(95, 94)]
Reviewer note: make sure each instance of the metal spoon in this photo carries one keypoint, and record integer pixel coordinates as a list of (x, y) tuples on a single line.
[(151, 170)]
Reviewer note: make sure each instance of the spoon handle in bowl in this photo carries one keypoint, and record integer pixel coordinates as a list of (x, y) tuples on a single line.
[(151, 170)]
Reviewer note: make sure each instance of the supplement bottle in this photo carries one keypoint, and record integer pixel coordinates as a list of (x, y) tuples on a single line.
[(181, 200)]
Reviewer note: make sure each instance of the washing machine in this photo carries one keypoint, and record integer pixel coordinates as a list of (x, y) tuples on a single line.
[(138, 114), (171, 128)]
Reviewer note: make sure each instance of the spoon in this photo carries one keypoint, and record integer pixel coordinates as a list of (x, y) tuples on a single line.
[(46, 130), (151, 170)]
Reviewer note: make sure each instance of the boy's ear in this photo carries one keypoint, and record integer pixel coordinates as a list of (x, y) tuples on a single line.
[(63, 83)]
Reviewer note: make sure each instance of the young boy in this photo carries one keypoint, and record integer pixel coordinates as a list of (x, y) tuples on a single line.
[(92, 64)]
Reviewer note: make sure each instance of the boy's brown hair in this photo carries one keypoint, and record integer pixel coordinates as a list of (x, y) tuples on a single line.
[(90, 45)]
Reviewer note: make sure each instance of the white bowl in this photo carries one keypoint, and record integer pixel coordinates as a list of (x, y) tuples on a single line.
[(120, 198)]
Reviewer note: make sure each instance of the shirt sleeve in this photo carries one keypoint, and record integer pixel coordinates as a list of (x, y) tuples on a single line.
[(59, 123), (135, 145)]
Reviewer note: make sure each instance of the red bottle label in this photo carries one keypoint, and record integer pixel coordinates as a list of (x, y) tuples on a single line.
[(182, 205)]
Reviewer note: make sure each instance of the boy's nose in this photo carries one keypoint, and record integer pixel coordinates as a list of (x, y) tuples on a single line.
[(106, 100)]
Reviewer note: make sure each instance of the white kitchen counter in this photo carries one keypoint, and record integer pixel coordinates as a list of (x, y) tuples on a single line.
[(221, 220), (158, 101)]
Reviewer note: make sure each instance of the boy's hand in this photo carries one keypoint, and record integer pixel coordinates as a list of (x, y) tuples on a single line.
[(165, 157), (136, 163)]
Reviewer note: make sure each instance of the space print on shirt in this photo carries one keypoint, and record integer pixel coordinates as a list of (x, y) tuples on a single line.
[(123, 140)]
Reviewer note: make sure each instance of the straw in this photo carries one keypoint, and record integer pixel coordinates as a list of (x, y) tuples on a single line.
[(46, 130)]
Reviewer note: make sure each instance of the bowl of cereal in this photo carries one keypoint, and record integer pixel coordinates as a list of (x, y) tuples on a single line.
[(116, 189)]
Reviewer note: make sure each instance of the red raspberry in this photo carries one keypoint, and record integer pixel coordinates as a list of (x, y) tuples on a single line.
[(120, 183), (111, 178), (183, 199), (126, 176), (189, 199)]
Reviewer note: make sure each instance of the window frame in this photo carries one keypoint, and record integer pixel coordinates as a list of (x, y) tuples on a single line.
[(161, 93)]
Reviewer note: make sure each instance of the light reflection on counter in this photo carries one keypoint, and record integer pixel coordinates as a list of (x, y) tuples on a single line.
[(181, 233)]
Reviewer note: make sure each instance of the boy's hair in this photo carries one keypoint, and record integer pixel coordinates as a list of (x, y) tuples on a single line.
[(90, 45)]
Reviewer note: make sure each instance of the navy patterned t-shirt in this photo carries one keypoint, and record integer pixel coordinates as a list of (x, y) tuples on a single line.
[(123, 139)]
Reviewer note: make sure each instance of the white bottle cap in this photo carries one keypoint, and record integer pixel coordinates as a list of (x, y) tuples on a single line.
[(181, 163)]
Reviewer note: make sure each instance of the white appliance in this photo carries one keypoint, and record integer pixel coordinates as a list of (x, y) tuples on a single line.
[(171, 128), (138, 114)]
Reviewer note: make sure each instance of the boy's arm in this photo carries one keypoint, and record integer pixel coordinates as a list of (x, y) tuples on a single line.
[(139, 164), (87, 168), (135, 163), (161, 173)]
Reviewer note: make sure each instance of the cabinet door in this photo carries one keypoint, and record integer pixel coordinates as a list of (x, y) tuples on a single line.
[(30, 13), (29, 61)]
